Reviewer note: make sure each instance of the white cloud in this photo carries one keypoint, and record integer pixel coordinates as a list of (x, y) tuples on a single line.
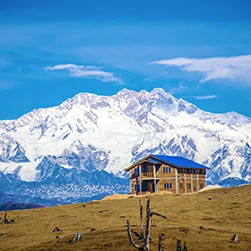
[(231, 68), (206, 97), (85, 72)]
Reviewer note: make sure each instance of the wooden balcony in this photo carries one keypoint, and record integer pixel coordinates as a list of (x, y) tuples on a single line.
[(147, 175)]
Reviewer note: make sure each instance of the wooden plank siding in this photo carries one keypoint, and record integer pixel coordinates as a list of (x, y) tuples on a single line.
[(162, 182), (188, 179)]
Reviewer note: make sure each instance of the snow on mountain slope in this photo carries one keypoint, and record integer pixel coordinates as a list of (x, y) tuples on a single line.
[(90, 132)]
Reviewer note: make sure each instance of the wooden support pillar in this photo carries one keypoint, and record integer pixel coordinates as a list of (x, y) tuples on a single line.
[(198, 182), (136, 187), (140, 182), (154, 178), (131, 185), (185, 180), (176, 181), (192, 183)]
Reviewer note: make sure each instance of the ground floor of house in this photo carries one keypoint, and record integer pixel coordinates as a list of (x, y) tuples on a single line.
[(174, 185)]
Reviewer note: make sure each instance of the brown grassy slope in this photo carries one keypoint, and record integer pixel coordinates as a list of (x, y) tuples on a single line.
[(103, 224)]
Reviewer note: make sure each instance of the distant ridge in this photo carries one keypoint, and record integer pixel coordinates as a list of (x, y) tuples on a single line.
[(77, 151), (17, 206)]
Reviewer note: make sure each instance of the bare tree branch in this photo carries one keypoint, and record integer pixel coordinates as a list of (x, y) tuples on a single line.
[(148, 225), (141, 221), (185, 247), (136, 234), (158, 214), (5, 219), (161, 247), (145, 232), (130, 236)]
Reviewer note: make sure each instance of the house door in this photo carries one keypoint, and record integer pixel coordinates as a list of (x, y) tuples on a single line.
[(150, 187)]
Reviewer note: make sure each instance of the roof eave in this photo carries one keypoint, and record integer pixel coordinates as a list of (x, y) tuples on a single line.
[(137, 163), (173, 165), (163, 161)]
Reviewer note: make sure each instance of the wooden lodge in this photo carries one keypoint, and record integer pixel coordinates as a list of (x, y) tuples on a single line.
[(166, 173)]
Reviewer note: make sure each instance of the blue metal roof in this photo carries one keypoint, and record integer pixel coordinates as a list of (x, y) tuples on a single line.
[(154, 161), (178, 161)]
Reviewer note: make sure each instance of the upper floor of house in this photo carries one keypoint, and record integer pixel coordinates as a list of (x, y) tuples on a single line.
[(163, 166)]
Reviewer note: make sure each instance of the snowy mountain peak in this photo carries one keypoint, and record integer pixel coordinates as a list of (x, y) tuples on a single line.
[(155, 93), (158, 92), (89, 133)]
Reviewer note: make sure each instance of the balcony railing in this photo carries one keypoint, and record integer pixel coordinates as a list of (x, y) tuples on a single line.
[(147, 175)]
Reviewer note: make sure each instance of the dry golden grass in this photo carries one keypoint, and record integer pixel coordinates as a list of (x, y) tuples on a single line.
[(103, 224)]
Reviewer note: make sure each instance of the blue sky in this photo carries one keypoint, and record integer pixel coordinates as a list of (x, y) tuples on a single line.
[(196, 50)]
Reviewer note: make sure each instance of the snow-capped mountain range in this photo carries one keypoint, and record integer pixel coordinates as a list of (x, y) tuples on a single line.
[(78, 149)]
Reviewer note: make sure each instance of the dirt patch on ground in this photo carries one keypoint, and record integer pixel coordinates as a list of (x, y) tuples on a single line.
[(162, 193), (126, 196), (118, 197), (210, 187)]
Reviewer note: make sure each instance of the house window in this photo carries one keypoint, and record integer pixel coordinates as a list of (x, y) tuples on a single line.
[(194, 188), (188, 171), (180, 170), (144, 167), (181, 186), (202, 171), (201, 185), (136, 171), (188, 185), (167, 185), (195, 171), (166, 169)]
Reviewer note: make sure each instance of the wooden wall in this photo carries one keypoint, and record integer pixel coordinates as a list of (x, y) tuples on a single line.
[(189, 181)]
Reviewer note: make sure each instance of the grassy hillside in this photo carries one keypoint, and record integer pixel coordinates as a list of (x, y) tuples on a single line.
[(103, 224)]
